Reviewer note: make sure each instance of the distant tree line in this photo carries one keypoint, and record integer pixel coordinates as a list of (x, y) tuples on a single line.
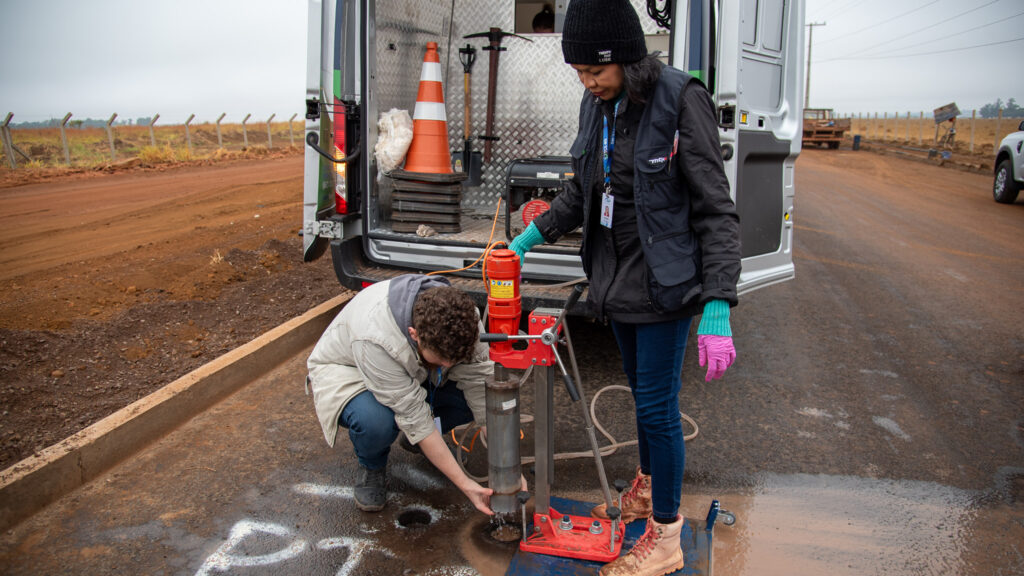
[(1010, 109)]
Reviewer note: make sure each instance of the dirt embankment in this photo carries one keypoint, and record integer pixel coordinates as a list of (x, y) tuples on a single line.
[(115, 286)]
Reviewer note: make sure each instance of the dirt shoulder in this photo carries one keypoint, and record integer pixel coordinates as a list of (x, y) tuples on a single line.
[(115, 286)]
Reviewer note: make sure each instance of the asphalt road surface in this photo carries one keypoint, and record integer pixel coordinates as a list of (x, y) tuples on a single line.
[(873, 424)]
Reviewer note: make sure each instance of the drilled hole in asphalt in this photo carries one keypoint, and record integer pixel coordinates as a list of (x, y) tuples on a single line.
[(414, 518)]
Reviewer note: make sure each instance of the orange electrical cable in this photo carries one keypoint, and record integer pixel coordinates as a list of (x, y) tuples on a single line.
[(490, 245)]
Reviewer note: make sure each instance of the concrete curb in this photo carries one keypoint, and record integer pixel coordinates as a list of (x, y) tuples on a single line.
[(35, 482)]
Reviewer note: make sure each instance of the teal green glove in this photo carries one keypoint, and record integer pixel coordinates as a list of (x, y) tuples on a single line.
[(531, 237), (715, 320)]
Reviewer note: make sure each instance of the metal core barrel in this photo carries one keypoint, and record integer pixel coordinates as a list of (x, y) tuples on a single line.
[(504, 469)]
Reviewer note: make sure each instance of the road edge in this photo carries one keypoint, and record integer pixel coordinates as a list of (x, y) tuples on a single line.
[(33, 483)]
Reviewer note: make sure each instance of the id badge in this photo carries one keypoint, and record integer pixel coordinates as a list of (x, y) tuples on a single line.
[(437, 424), (607, 207)]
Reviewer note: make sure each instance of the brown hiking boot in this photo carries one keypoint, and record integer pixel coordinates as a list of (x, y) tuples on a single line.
[(657, 552), (636, 502)]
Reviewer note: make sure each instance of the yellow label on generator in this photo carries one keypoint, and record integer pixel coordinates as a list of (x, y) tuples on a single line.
[(503, 289)]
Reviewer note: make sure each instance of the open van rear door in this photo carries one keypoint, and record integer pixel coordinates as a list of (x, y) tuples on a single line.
[(750, 55)]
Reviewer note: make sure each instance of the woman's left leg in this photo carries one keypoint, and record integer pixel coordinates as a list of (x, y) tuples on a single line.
[(659, 364)]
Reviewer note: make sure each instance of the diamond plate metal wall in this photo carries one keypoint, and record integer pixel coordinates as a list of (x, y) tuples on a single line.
[(538, 94)]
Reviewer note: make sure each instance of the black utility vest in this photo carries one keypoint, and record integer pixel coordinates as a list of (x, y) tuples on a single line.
[(671, 251)]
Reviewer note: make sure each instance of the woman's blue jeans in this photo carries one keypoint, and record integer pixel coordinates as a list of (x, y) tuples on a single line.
[(372, 428), (652, 358)]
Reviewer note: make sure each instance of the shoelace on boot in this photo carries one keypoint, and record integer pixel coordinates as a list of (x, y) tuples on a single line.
[(647, 542), (639, 483)]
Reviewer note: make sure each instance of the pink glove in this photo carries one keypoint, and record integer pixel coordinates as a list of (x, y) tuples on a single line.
[(717, 352)]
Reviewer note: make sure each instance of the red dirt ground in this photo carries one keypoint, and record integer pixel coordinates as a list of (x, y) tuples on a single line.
[(116, 285)]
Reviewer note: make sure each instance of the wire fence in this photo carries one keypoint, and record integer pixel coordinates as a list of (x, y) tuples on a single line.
[(967, 133), (79, 145)]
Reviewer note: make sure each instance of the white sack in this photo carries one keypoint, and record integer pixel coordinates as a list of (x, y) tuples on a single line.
[(394, 135)]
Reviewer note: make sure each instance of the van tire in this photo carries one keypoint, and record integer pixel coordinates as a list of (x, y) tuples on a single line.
[(1004, 187)]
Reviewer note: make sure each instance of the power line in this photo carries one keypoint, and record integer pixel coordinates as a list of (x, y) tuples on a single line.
[(924, 53), (877, 24), (930, 26), (827, 6), (962, 32), (846, 8)]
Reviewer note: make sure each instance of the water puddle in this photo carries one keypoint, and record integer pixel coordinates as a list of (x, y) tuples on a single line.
[(836, 525)]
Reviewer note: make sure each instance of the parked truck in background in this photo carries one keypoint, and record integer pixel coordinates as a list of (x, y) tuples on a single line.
[(821, 127), (364, 58)]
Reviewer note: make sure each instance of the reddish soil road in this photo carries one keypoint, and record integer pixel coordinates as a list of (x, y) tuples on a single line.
[(116, 284)]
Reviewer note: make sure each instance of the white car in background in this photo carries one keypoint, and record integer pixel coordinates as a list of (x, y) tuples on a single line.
[(1009, 165)]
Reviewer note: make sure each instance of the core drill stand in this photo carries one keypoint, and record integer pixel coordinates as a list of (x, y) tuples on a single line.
[(553, 533)]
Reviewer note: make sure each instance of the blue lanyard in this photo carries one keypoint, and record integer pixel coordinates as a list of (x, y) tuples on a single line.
[(608, 145), (433, 387)]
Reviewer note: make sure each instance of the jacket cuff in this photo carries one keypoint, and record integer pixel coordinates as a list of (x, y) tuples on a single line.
[(715, 319)]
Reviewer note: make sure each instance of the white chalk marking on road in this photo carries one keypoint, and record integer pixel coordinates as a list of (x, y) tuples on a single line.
[(813, 412), (957, 275), (322, 490), (417, 478), (891, 427), (356, 546), (885, 373), (223, 559)]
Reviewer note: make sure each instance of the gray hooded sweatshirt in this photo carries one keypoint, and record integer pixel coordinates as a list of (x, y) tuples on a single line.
[(368, 347)]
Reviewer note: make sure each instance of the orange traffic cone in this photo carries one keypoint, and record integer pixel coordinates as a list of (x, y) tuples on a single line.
[(429, 149)]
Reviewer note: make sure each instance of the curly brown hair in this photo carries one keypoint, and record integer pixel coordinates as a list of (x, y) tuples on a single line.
[(446, 323)]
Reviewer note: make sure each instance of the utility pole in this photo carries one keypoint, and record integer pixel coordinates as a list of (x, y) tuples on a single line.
[(810, 44)]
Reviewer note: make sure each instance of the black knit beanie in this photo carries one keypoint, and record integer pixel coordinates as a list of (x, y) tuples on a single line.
[(601, 32)]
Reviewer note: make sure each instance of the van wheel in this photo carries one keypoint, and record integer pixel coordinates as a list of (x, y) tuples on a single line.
[(1004, 188)]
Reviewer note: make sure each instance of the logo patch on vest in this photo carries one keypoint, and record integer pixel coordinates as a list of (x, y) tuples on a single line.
[(604, 55), (657, 161)]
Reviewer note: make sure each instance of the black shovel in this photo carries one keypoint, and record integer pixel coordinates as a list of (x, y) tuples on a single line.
[(470, 160)]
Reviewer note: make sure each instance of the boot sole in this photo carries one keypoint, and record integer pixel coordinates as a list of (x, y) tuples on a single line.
[(370, 507)]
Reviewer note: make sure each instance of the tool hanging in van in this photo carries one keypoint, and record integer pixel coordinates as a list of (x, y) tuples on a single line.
[(495, 35), (469, 158)]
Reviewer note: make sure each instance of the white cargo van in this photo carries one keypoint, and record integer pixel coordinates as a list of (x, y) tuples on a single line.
[(365, 58)]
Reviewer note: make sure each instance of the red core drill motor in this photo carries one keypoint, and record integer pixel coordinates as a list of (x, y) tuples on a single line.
[(554, 534)]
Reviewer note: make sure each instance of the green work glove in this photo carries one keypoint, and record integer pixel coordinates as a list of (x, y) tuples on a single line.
[(715, 320), (531, 237)]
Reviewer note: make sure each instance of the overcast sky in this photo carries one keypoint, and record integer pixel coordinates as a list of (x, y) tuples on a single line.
[(176, 57)]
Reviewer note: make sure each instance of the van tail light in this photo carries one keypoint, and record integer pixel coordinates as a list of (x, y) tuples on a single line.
[(341, 181)]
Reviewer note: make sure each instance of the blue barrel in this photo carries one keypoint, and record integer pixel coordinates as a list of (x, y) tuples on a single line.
[(856, 141)]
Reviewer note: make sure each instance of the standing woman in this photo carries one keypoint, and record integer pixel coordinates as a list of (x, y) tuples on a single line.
[(660, 245)]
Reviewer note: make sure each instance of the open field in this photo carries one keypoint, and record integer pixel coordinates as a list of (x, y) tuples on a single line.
[(918, 131)]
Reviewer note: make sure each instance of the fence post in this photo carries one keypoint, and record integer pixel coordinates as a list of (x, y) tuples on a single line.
[(875, 124), (974, 113), (908, 127), (152, 137), (999, 120), (291, 133), (110, 137), (920, 129), (188, 136), (245, 135), (270, 139), (220, 143), (5, 133), (64, 138)]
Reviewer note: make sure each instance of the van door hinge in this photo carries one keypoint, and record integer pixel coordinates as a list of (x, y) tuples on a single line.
[(323, 229)]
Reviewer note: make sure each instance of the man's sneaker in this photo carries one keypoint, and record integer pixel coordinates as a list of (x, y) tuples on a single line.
[(636, 502), (408, 446), (370, 491), (657, 552)]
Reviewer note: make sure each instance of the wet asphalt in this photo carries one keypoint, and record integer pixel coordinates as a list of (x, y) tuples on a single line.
[(873, 423)]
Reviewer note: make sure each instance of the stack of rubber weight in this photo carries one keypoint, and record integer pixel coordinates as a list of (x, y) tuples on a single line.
[(424, 198)]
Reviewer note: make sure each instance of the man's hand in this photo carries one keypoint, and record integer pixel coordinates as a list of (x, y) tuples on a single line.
[(479, 496)]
